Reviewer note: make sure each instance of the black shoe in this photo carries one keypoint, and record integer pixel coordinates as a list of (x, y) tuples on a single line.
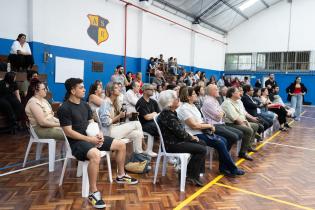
[(239, 172), (287, 125), (227, 173), (96, 200), (283, 129), (245, 156), (252, 149), (195, 181)]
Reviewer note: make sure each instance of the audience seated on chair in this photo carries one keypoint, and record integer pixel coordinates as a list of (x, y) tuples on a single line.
[(148, 108), (191, 117), (21, 57), (177, 140), (40, 114), (30, 75), (235, 116), (95, 97), (10, 100), (213, 114), (74, 116), (113, 119), (131, 97)]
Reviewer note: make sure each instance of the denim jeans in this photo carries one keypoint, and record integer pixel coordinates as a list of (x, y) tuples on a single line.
[(220, 144), (296, 103)]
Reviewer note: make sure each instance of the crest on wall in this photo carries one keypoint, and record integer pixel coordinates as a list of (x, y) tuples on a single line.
[(97, 29)]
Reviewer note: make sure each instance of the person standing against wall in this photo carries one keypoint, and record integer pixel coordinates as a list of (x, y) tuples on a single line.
[(296, 91)]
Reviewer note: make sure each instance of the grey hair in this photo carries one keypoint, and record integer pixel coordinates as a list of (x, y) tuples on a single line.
[(207, 89), (167, 98)]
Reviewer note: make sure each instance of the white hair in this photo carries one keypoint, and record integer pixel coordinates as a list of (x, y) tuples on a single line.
[(167, 98)]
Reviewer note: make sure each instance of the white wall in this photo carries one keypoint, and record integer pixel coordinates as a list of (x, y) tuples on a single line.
[(65, 23), (13, 16), (268, 31)]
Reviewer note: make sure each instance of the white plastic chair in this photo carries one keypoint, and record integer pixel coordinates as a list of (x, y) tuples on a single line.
[(149, 143), (162, 152), (51, 148), (82, 168)]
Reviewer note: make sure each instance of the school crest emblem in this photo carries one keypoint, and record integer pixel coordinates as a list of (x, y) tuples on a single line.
[(97, 29)]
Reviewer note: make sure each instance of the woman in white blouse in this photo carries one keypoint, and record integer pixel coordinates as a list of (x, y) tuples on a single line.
[(40, 113), (191, 117), (20, 54)]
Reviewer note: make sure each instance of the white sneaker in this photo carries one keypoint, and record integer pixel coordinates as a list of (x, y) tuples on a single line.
[(151, 153)]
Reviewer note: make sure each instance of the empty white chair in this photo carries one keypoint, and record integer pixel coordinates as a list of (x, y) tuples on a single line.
[(82, 168), (162, 152), (51, 148)]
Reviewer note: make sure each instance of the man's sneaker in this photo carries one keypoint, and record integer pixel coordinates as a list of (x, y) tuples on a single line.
[(96, 200), (126, 179)]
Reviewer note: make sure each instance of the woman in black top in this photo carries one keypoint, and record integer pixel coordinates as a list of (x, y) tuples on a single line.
[(177, 140), (10, 101)]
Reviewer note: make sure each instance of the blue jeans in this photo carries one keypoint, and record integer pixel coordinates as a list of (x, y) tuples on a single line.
[(296, 103), (220, 144)]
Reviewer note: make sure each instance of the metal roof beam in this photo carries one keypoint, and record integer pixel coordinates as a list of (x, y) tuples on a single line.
[(190, 15), (234, 9), (208, 9), (266, 5)]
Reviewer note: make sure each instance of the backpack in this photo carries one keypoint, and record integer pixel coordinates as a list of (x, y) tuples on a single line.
[(138, 163)]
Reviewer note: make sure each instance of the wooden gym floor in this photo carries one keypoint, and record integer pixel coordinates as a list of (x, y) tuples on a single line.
[(282, 176)]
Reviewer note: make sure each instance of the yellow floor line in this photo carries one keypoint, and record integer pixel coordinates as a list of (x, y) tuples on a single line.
[(264, 196), (215, 180)]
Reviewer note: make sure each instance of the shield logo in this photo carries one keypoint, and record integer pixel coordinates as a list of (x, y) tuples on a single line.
[(97, 29)]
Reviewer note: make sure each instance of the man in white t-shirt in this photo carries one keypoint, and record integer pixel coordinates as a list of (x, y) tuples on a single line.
[(20, 54)]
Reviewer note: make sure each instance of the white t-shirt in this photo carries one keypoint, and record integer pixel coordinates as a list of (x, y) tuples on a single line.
[(186, 111), (17, 46)]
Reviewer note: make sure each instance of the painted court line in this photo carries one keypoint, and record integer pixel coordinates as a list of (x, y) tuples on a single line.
[(312, 118), (296, 147), (264, 196), (215, 180), (24, 169)]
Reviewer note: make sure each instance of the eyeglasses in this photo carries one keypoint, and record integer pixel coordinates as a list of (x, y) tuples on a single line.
[(149, 89)]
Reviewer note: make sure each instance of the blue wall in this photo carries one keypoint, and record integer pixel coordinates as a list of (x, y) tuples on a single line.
[(110, 62)]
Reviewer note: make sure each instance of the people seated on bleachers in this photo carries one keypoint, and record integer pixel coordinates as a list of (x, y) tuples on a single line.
[(159, 79), (222, 94), (119, 77), (111, 114), (212, 80), (252, 107), (131, 97), (203, 78), (200, 91), (40, 114), (191, 117), (246, 81), (177, 140), (75, 116), (276, 108), (148, 108), (236, 82), (30, 75), (129, 78), (197, 76), (162, 64), (152, 66), (235, 117), (95, 97), (189, 79), (228, 82), (21, 57), (10, 101), (172, 66), (213, 114), (296, 92)]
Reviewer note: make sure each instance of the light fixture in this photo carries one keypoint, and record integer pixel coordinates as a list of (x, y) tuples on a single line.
[(247, 4)]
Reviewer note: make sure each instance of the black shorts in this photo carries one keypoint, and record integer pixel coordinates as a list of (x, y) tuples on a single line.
[(81, 148)]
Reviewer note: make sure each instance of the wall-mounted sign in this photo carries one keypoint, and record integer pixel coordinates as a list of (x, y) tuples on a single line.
[(97, 29)]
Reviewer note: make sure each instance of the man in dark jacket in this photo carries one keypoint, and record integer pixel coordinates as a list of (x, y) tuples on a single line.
[(252, 107)]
